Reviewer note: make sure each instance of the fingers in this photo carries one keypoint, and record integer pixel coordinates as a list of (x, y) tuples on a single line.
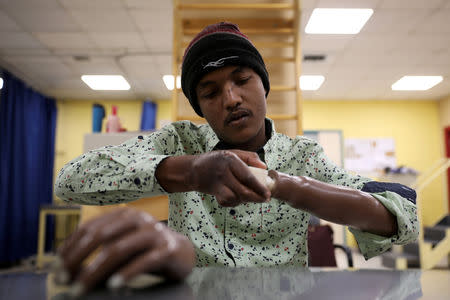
[(227, 198), (250, 158), (93, 234), (114, 255), (148, 262), (80, 232), (250, 187), (105, 233), (243, 188)]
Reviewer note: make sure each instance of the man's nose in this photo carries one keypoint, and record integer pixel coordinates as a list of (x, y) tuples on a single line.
[(231, 96)]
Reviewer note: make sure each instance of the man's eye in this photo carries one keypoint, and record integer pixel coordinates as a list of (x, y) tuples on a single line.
[(209, 95), (242, 81)]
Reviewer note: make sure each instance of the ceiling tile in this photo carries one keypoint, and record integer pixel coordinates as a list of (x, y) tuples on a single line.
[(163, 63), (140, 67), (334, 88), (408, 4), (347, 3), (18, 40), (69, 83), (315, 68), (370, 43), (151, 20), (385, 60), (104, 20), (306, 14), (44, 20), (12, 4), (25, 52), (124, 40), (94, 66), (49, 68), (369, 89), (438, 22), (390, 74), (394, 21), (6, 23), (324, 43), (70, 40), (349, 73), (308, 4), (88, 4), (423, 42), (159, 41), (154, 4)]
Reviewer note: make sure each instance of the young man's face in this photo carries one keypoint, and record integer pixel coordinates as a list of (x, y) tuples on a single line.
[(232, 100)]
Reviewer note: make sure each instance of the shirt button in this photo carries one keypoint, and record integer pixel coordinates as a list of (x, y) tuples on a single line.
[(232, 212), (230, 246)]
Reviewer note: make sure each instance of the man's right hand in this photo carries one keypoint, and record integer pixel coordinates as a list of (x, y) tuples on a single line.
[(129, 243), (223, 174)]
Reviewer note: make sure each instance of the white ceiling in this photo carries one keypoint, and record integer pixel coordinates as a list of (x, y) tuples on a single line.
[(39, 39)]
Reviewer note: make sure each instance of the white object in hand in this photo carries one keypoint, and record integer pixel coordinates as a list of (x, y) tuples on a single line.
[(263, 177)]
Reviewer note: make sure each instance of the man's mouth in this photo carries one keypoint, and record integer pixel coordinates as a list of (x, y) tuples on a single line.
[(237, 116)]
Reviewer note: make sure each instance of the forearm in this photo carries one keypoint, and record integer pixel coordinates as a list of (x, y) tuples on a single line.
[(335, 203), (173, 173), (108, 176)]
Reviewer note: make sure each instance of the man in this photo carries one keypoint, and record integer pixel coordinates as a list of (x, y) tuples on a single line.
[(229, 217)]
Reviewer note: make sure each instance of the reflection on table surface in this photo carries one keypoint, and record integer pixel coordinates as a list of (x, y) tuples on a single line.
[(255, 283)]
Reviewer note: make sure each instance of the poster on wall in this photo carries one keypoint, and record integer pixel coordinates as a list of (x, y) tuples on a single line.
[(369, 156)]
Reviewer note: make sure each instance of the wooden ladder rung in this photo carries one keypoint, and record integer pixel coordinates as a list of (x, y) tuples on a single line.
[(250, 31), (275, 117), (235, 6)]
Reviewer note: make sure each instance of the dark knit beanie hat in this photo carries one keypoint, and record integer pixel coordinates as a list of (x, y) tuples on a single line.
[(216, 46)]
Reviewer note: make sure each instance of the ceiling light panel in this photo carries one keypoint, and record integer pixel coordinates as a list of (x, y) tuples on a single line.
[(106, 82), (168, 81), (337, 20), (416, 83), (311, 82)]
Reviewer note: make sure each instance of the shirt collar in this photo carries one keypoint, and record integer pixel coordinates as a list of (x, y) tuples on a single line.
[(214, 143)]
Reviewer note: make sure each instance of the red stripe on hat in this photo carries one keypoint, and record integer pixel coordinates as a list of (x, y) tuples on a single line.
[(215, 28)]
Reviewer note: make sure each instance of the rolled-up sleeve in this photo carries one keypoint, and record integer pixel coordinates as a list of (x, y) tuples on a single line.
[(408, 226)]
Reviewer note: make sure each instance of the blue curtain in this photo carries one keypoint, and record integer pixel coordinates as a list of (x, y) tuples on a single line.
[(27, 140), (148, 119)]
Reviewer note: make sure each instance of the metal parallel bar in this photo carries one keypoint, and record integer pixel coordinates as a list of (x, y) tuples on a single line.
[(233, 6), (430, 170), (432, 176), (430, 256)]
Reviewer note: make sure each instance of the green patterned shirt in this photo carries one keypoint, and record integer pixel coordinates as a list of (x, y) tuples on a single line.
[(252, 234)]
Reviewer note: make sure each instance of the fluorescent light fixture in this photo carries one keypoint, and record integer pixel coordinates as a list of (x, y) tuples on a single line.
[(168, 81), (337, 20), (311, 82), (106, 82), (416, 83), (1, 83)]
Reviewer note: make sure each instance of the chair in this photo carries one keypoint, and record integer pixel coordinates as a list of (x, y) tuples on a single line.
[(321, 250)]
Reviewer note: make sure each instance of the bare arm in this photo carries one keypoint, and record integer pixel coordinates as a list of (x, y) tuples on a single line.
[(335, 203)]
